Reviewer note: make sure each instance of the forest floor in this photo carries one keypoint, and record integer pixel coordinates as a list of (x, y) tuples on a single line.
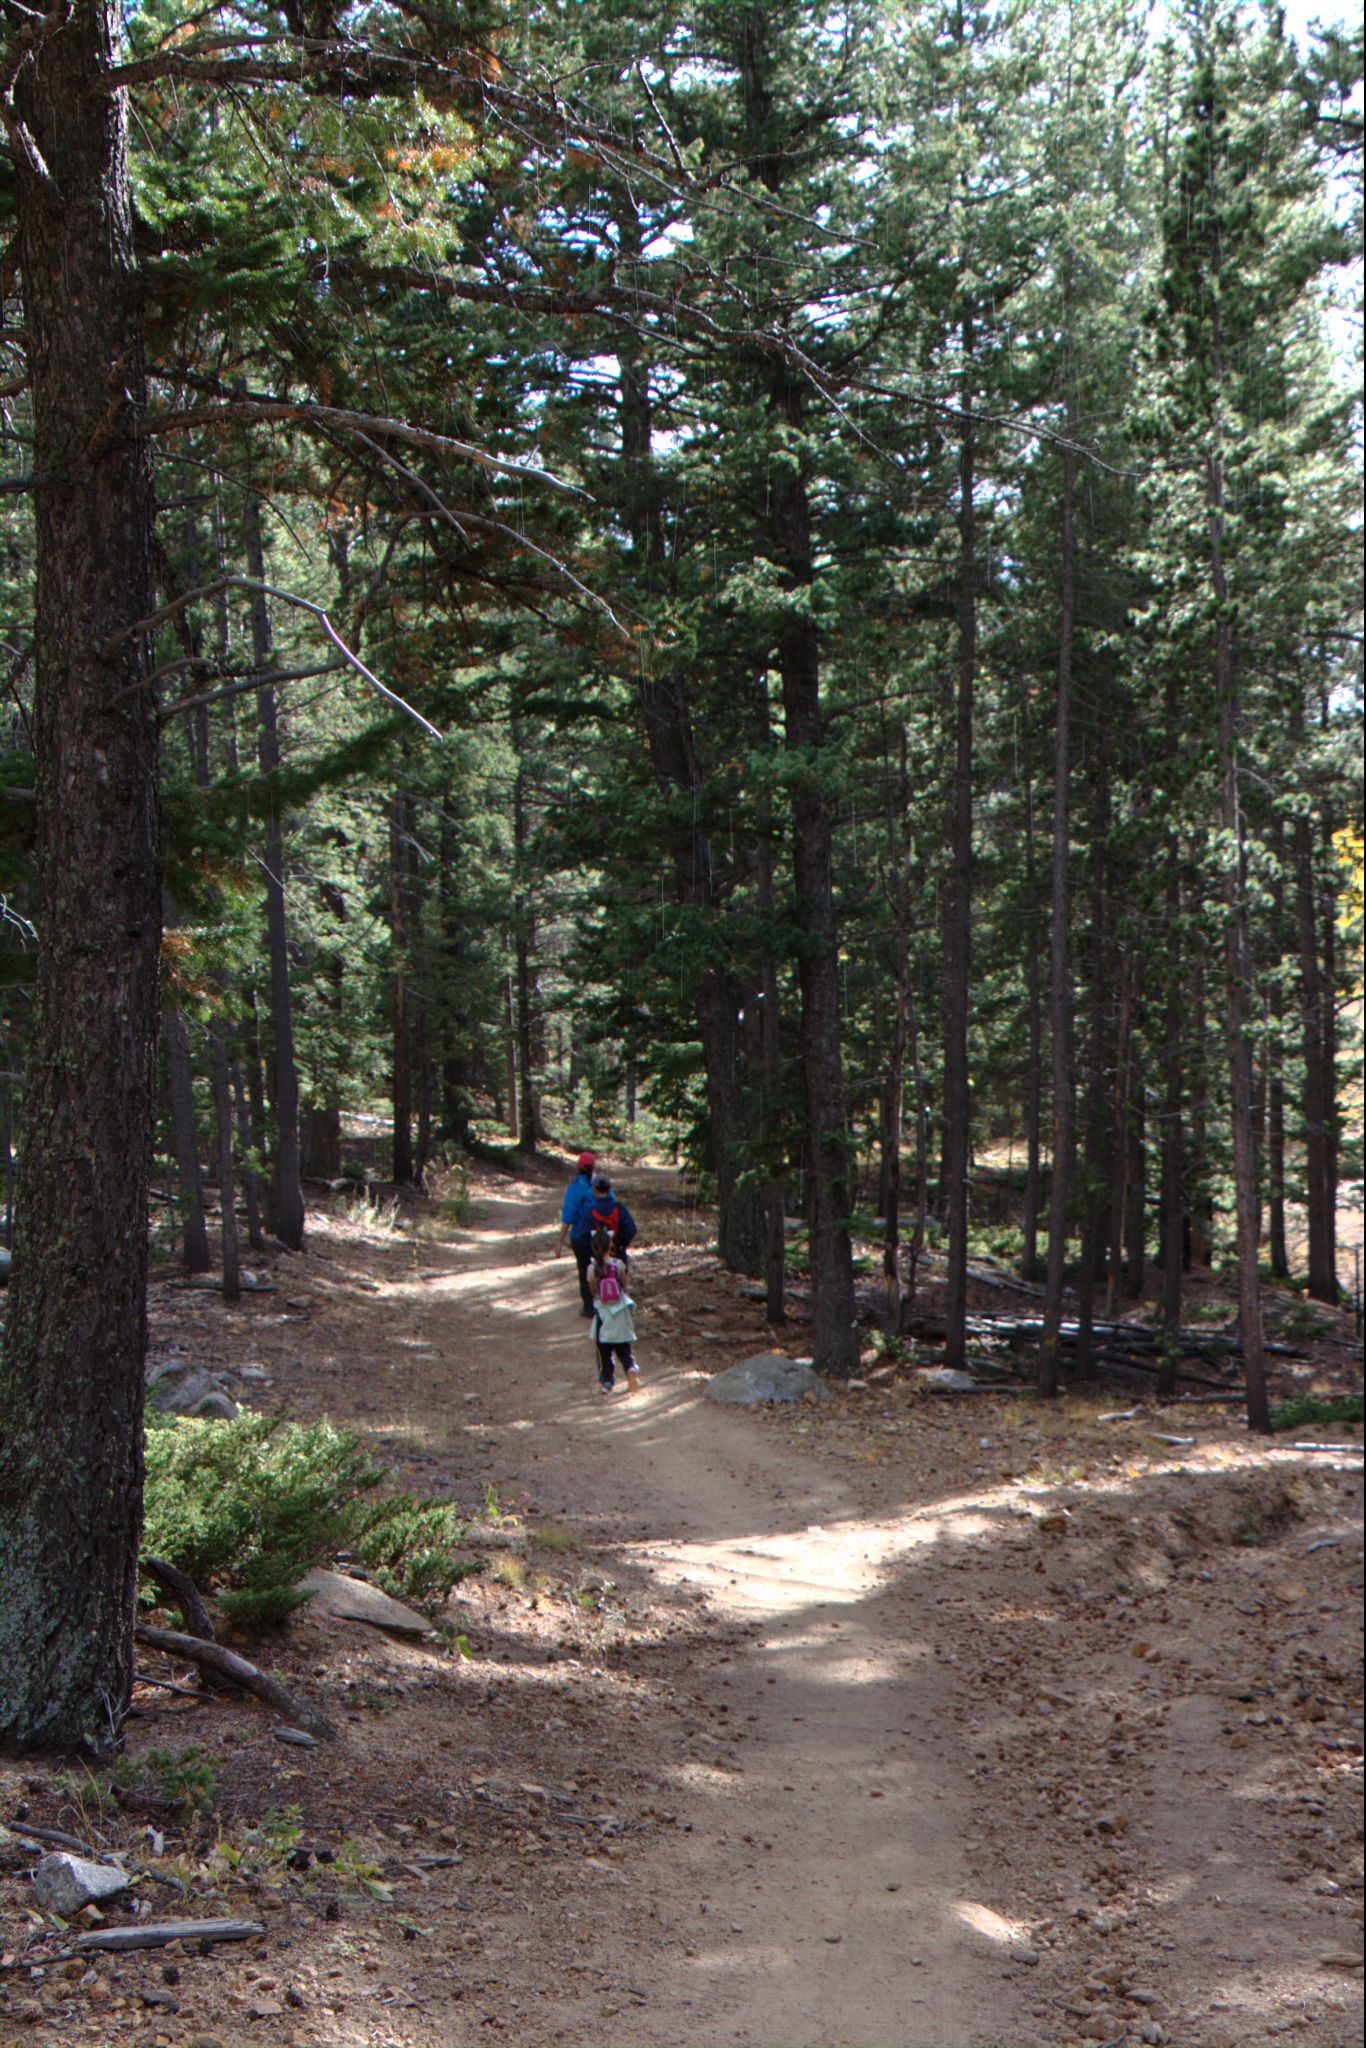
[(897, 1720)]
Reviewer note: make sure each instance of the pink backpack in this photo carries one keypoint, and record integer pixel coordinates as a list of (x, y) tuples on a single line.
[(609, 1286)]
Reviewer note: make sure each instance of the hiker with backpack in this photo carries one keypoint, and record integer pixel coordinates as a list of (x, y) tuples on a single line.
[(575, 1228), (614, 1329)]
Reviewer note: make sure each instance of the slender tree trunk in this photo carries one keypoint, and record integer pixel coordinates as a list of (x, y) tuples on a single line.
[(185, 1130), (1238, 966), (1313, 1041), (1173, 1139), (770, 1109), (1029, 1253), (957, 1142), (834, 1335), (1136, 1184), (528, 1115), (510, 1054), (1121, 1136), (227, 1193), (1060, 973), (1328, 898), (401, 1089), (71, 1392), (248, 1126), (287, 1186)]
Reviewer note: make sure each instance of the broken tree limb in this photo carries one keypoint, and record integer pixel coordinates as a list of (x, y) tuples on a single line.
[(183, 1591), (236, 1670), (156, 1934)]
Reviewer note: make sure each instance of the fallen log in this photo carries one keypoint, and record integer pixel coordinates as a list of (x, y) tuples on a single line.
[(226, 1664), (157, 1933)]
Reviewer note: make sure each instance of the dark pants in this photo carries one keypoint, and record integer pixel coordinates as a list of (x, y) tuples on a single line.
[(609, 1357), (583, 1256)]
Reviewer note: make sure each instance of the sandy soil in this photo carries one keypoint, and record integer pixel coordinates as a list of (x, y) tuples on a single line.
[(890, 1722)]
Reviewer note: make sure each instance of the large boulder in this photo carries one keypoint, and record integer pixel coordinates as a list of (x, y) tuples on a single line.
[(767, 1377), (332, 1593)]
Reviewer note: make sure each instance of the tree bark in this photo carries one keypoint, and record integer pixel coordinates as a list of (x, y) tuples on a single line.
[(1314, 1040), (287, 1183), (834, 1335), (1060, 974), (401, 1088), (185, 1131), (72, 1389), (1029, 1250), (957, 1137)]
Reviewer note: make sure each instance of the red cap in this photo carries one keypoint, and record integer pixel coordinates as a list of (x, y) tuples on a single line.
[(587, 1160)]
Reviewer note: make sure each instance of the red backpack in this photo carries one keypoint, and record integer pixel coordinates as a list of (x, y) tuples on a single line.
[(609, 1222)]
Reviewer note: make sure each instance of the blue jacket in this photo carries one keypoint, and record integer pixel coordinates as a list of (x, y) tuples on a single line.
[(577, 1196), (581, 1227)]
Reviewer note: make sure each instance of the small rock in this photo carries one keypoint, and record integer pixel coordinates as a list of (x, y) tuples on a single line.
[(296, 1737), (266, 2009), (1340, 1959), (152, 1994), (1098, 2026), (64, 1883), (14, 1853), (946, 1379)]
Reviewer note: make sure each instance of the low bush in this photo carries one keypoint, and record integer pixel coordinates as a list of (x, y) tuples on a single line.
[(1304, 1410), (247, 1507)]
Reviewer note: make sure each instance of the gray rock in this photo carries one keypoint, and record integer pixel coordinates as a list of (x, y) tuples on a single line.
[(767, 1377), (353, 1600), (185, 1389), (945, 1379), (65, 1883)]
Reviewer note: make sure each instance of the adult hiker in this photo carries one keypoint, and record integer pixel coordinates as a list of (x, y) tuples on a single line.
[(602, 1211), (575, 1229)]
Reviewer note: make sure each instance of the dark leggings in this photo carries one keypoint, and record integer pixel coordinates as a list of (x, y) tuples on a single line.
[(606, 1368), (583, 1255)]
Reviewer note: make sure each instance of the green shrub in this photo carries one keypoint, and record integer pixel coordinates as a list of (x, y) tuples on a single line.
[(247, 1507), (1304, 1410)]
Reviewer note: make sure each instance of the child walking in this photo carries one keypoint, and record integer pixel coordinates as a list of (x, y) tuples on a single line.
[(614, 1329)]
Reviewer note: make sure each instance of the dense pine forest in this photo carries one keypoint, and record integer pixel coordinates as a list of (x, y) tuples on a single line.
[(776, 586)]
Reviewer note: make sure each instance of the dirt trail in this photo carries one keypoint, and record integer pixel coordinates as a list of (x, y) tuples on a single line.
[(820, 1897)]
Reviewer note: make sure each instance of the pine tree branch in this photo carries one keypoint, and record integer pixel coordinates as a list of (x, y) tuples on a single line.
[(308, 414), (171, 610)]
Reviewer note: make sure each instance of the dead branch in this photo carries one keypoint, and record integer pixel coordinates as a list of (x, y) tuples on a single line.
[(184, 1593), (226, 1664)]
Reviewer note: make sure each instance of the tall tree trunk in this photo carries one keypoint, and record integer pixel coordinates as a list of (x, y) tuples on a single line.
[(1136, 1184), (1121, 1137), (1238, 968), (1029, 1251), (957, 1140), (71, 1392), (770, 1107), (1314, 1042), (510, 1054), (185, 1132), (287, 1192), (248, 1129), (1328, 899), (227, 1193), (528, 1108), (401, 1084), (1060, 972), (1173, 1136), (834, 1335)]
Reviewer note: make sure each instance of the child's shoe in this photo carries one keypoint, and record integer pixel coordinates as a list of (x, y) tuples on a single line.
[(632, 1378), (604, 1386)]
